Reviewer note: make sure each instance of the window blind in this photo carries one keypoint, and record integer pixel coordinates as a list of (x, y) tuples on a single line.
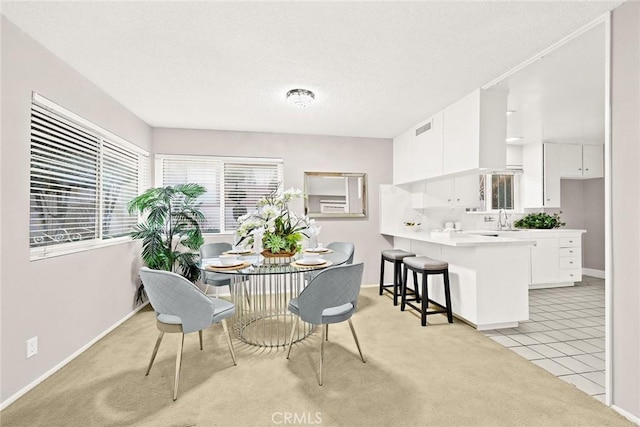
[(234, 185), (80, 183)]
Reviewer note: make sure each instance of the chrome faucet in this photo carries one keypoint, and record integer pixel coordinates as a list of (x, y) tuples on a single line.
[(502, 214)]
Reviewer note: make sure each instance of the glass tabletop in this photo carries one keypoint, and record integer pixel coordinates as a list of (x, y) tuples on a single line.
[(258, 265)]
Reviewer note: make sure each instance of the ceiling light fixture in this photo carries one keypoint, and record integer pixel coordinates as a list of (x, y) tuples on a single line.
[(300, 98), (513, 138)]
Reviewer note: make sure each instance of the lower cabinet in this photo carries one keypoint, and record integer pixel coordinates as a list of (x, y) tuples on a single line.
[(556, 261)]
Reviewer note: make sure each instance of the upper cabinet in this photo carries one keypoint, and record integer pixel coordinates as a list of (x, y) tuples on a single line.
[(417, 152), (582, 161), (467, 136), (402, 166), (474, 133)]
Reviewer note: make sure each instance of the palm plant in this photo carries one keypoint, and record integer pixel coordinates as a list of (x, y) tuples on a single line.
[(172, 220)]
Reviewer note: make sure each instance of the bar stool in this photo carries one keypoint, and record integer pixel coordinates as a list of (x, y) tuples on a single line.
[(426, 266), (395, 256)]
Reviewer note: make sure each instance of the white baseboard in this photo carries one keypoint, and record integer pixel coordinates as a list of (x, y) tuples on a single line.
[(593, 273), (60, 365), (626, 414)]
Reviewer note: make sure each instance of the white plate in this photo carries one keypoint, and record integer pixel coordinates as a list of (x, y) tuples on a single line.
[(217, 263), (309, 262), (239, 251), (317, 250)]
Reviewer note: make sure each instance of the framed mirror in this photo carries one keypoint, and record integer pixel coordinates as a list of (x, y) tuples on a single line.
[(335, 194)]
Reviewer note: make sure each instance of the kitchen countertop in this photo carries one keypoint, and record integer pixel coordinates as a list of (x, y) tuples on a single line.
[(461, 239)]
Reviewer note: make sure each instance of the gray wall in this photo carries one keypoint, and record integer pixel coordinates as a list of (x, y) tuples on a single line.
[(305, 153), (625, 179), (583, 208), (66, 301)]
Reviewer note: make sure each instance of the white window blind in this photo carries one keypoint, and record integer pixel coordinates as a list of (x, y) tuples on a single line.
[(80, 184), (234, 185)]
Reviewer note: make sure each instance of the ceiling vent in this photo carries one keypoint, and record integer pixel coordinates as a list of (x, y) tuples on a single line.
[(423, 129)]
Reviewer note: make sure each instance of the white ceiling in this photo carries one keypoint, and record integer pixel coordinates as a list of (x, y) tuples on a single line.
[(377, 68), (561, 97)]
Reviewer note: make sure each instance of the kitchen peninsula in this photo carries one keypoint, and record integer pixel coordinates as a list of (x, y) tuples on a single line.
[(489, 276)]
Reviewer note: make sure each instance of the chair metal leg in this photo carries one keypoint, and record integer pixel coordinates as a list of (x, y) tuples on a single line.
[(355, 337), (381, 274), (200, 336), (178, 366), (155, 351), (293, 329), (228, 337), (324, 332)]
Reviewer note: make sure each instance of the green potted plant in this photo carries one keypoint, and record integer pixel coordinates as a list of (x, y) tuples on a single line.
[(172, 222), (540, 221)]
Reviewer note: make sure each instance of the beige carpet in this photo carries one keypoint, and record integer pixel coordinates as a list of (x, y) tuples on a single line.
[(440, 375)]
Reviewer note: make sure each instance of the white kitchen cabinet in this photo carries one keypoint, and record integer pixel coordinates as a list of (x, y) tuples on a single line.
[(417, 153), (474, 132), (428, 145), (582, 161), (540, 180), (551, 175), (556, 260), (571, 160), (545, 261), (593, 161), (402, 157), (462, 191)]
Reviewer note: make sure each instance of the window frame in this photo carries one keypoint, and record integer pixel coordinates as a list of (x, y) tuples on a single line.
[(221, 184), (104, 138), (488, 193)]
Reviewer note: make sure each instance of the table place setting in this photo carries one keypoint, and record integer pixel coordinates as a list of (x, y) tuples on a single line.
[(225, 262), (311, 260)]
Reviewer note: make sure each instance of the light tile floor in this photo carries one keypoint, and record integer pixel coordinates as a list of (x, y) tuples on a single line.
[(564, 334)]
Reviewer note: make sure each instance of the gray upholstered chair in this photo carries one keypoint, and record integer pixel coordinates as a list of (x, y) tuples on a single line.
[(209, 278), (181, 307), (330, 297), (344, 247)]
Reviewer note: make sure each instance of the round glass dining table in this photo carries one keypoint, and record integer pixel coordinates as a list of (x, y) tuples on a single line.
[(261, 288)]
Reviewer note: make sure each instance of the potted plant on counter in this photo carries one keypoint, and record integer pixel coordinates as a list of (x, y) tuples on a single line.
[(540, 221)]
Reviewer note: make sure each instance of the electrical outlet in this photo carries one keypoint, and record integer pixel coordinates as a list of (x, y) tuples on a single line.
[(32, 347)]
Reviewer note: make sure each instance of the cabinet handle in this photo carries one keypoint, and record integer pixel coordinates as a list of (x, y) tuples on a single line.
[(548, 200), (570, 252), (570, 241), (570, 262), (586, 169), (579, 169), (458, 200)]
